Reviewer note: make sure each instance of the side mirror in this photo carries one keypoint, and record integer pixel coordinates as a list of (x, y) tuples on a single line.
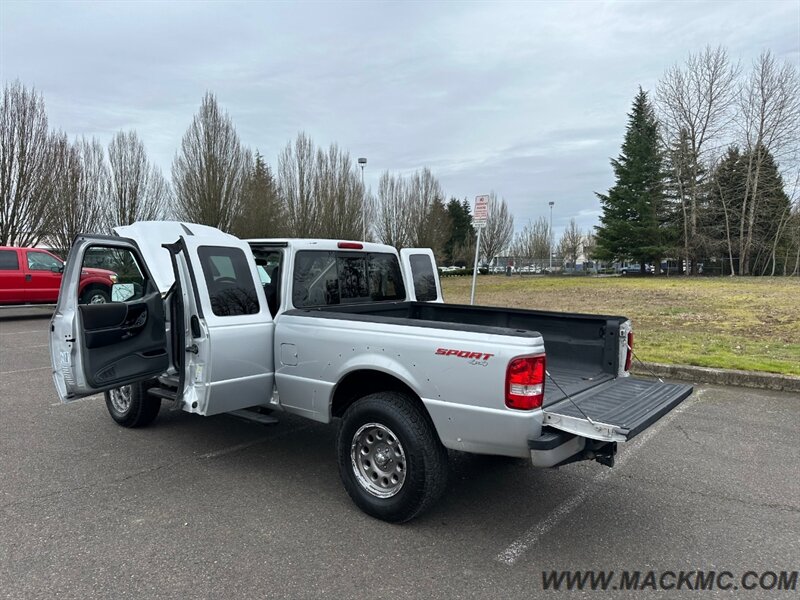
[(122, 291), (58, 269), (261, 262)]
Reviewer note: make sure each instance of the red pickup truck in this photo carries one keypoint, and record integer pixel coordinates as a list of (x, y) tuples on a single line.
[(33, 276)]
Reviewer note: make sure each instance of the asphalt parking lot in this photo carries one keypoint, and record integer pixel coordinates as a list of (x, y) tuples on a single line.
[(216, 507)]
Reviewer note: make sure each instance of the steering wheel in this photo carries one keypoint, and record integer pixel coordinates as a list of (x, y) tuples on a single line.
[(227, 281)]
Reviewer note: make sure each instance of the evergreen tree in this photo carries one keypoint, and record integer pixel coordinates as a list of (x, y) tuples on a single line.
[(768, 221), (262, 212), (460, 229), (629, 226), (678, 211), (434, 230), (728, 184)]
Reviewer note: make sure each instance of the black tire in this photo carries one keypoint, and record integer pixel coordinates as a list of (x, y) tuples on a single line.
[(424, 458), (142, 408), (95, 295)]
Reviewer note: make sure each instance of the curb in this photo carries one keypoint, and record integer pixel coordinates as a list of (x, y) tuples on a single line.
[(748, 379)]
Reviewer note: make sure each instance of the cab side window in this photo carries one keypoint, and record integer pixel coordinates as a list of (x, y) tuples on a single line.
[(231, 288), (42, 261)]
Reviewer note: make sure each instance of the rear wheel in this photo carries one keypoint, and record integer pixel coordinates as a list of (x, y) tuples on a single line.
[(391, 461), (131, 405)]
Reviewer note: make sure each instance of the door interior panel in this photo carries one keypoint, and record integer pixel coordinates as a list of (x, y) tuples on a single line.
[(102, 316), (103, 326), (123, 340)]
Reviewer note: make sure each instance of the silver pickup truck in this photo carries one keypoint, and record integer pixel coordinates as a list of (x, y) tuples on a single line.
[(345, 330)]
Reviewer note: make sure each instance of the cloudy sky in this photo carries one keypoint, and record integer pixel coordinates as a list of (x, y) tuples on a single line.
[(528, 99)]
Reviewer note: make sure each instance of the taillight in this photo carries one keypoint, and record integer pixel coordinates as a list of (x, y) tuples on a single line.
[(629, 355), (350, 245), (525, 382)]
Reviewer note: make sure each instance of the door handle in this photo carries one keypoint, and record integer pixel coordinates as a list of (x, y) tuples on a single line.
[(28, 277)]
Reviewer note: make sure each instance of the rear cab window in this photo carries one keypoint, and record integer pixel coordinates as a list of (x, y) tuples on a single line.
[(324, 278), (9, 260), (230, 284)]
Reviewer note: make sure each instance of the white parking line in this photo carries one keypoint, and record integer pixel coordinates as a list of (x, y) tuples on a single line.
[(76, 400), (517, 548), (237, 447), (23, 332), (23, 370), (18, 348)]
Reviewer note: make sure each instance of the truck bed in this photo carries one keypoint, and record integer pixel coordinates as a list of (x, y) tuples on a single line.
[(582, 350)]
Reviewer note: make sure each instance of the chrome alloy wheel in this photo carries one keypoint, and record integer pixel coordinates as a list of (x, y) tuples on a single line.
[(378, 460), (97, 298), (121, 399)]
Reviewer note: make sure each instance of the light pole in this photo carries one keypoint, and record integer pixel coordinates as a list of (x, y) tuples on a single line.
[(551, 236), (362, 162)]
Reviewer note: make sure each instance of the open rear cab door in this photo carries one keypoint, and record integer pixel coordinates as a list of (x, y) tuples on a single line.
[(97, 347), (421, 275)]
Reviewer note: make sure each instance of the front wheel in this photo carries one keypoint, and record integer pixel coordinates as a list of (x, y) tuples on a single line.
[(132, 406), (95, 296), (391, 461)]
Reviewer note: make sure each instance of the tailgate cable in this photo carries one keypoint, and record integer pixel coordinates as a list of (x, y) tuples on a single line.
[(568, 397), (644, 365)]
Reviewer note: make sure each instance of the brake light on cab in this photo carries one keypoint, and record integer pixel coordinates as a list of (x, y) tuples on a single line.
[(525, 382)]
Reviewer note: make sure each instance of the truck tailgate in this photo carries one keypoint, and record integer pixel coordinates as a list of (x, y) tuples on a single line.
[(617, 410)]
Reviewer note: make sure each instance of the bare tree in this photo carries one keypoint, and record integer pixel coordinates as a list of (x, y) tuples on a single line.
[(695, 101), (569, 246), (340, 195), (769, 104), (81, 182), (137, 191), (533, 241), (394, 219), (27, 162), (210, 171), (321, 190), (423, 190), (296, 186), (588, 245), (499, 230)]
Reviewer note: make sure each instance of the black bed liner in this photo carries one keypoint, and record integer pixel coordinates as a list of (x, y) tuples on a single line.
[(582, 348)]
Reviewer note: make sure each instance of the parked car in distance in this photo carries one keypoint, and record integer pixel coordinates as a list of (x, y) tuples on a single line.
[(33, 276), (635, 269)]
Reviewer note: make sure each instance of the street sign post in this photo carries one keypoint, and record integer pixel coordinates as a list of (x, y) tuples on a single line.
[(480, 216), (481, 213)]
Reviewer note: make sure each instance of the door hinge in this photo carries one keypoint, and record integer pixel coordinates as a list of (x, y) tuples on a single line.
[(193, 349)]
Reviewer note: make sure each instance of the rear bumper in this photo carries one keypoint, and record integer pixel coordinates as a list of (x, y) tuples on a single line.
[(554, 448)]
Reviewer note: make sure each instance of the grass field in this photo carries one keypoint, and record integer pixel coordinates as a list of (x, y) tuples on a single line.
[(739, 323)]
